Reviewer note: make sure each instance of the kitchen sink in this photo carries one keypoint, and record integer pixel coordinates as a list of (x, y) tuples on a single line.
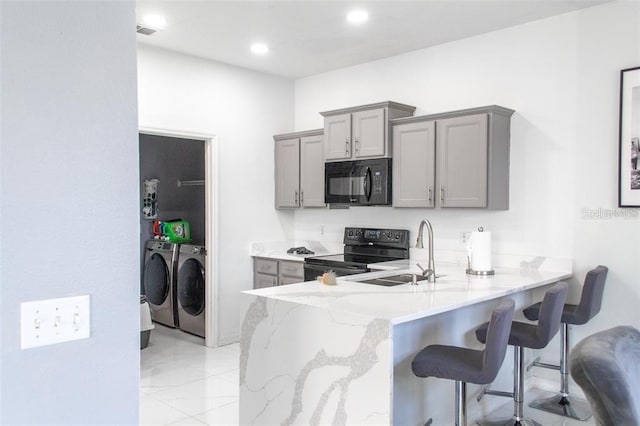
[(394, 280)]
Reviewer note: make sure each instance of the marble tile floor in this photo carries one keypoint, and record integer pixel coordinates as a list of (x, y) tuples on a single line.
[(182, 383)]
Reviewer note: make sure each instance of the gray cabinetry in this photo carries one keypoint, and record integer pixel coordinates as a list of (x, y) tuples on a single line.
[(311, 171), (361, 132), (414, 164), (462, 161), (454, 159), (273, 272), (299, 170), (287, 170)]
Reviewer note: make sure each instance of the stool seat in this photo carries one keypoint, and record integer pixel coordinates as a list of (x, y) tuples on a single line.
[(466, 365), (446, 362), (522, 334)]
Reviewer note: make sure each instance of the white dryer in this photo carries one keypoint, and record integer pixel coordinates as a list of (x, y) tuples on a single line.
[(159, 280), (190, 288)]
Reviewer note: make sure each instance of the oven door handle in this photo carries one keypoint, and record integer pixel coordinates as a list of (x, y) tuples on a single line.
[(367, 184)]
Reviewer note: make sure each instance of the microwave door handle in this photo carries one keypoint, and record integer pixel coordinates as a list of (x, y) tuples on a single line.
[(367, 184)]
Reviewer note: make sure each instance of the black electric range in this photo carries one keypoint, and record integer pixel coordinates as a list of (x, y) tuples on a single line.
[(362, 247)]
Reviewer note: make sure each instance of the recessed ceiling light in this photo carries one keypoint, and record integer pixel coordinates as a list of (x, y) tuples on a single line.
[(157, 22), (259, 48), (357, 16)]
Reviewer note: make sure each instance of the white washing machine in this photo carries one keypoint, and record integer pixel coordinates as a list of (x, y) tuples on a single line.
[(159, 280), (190, 288)]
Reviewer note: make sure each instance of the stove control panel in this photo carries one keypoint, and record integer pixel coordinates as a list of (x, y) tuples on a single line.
[(376, 236)]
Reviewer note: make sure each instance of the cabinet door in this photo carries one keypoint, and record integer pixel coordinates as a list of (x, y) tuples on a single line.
[(369, 129), (287, 173), (462, 161), (311, 171), (414, 164), (264, 280), (291, 269), (337, 137)]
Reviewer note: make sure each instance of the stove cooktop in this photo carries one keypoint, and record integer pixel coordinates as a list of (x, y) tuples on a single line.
[(348, 258)]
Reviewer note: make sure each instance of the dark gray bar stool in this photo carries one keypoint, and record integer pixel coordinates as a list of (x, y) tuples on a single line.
[(532, 336), (468, 365), (590, 302)]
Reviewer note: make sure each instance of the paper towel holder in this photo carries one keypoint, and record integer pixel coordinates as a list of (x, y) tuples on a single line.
[(470, 271)]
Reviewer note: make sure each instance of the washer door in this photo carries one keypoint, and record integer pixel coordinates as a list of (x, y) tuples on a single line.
[(191, 287), (156, 280)]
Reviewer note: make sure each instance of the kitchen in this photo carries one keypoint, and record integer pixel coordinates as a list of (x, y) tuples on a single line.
[(552, 72)]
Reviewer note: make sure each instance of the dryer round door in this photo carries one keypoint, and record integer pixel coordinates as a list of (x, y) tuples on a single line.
[(156, 279), (191, 287)]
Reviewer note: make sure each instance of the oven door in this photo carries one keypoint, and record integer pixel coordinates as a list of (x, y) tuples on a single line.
[(313, 271), (338, 182)]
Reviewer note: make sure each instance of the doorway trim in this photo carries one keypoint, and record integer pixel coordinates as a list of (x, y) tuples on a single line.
[(211, 167)]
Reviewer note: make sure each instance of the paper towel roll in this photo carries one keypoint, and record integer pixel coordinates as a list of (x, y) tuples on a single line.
[(480, 243)]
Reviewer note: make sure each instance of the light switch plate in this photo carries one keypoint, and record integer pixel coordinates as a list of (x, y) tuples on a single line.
[(51, 321)]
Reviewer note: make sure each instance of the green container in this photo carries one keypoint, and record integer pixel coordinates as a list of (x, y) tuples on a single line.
[(177, 231)]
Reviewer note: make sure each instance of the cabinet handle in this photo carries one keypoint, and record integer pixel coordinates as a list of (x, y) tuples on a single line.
[(291, 269), (441, 194), (296, 198), (430, 194), (346, 147), (274, 281), (301, 198), (357, 146), (266, 267)]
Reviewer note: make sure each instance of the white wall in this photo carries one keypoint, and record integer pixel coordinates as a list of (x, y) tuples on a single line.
[(69, 207), (244, 109), (561, 75)]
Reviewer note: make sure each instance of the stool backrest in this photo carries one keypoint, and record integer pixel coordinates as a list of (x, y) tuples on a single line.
[(497, 339), (550, 314), (591, 298)]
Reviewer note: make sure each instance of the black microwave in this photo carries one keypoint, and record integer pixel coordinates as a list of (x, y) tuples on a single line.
[(358, 183)]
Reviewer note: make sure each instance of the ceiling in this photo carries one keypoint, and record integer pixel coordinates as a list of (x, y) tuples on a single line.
[(311, 37)]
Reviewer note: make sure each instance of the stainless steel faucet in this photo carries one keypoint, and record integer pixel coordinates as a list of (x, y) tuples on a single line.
[(430, 272)]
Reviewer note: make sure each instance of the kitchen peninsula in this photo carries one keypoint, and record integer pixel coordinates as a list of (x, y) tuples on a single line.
[(317, 354)]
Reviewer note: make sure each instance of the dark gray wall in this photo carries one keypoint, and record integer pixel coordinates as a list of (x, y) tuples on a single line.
[(169, 159)]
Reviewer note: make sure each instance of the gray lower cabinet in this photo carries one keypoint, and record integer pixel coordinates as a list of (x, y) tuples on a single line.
[(299, 170), (272, 272), (456, 159)]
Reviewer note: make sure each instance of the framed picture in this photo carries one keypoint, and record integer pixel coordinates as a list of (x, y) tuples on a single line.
[(629, 148)]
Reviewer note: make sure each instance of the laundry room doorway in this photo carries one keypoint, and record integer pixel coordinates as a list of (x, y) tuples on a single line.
[(178, 192)]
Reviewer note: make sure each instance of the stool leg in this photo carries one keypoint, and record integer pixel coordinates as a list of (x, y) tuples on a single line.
[(461, 403), (518, 418), (562, 404)]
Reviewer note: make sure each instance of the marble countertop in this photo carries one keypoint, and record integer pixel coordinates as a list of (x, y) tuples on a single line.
[(277, 250), (407, 302)]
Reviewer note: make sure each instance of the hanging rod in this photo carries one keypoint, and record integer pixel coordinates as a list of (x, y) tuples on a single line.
[(190, 183)]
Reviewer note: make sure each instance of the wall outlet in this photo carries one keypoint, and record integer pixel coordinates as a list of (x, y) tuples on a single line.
[(47, 322), (321, 230)]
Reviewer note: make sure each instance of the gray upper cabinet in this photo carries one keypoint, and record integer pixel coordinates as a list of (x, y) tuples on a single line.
[(466, 152), (312, 171), (462, 161), (361, 132), (337, 143), (299, 170), (287, 169), (414, 164)]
